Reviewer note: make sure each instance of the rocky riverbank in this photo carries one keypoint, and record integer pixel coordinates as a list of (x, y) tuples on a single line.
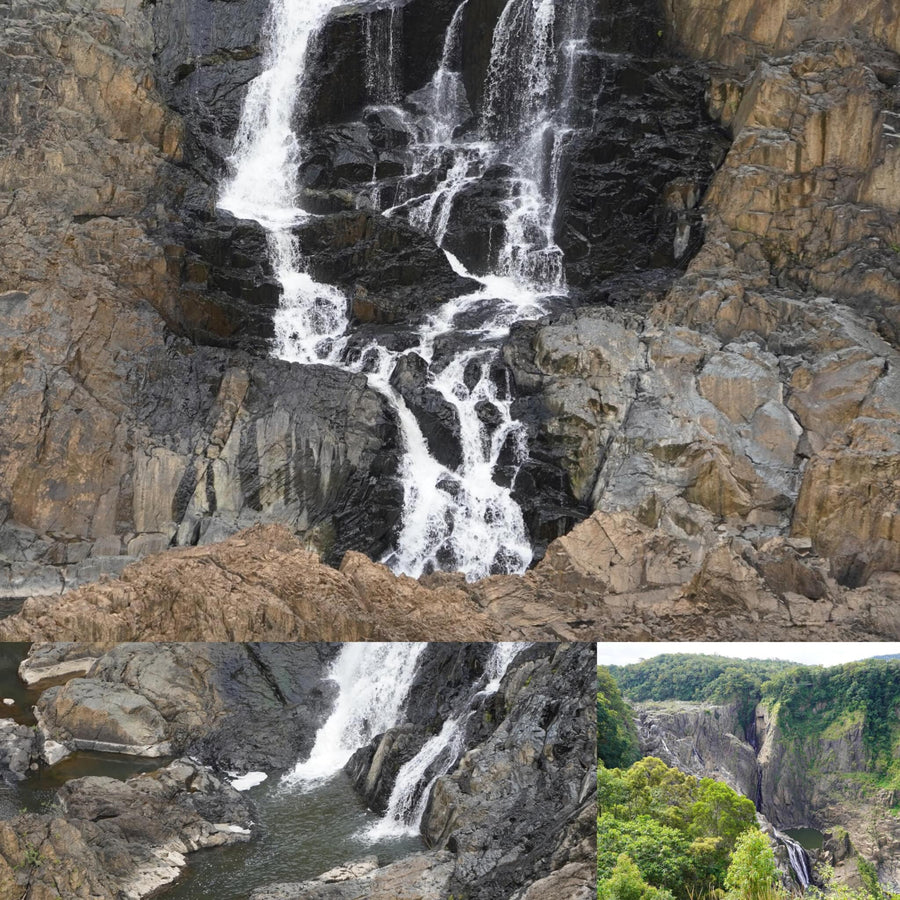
[(526, 745)]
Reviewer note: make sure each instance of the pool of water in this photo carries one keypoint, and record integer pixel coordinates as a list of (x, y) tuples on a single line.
[(302, 833), (11, 688), (303, 830), (807, 838)]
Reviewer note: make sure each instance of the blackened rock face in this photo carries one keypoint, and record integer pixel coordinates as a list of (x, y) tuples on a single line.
[(391, 272), (310, 446)]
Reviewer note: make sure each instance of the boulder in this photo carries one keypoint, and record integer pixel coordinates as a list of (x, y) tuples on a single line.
[(121, 839)]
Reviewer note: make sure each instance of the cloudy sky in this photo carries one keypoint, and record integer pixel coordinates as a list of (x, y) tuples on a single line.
[(822, 654)]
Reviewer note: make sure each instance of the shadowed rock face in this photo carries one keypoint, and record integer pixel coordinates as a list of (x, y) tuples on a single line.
[(722, 384), (231, 706)]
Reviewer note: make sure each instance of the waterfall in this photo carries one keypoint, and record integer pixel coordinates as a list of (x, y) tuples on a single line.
[(439, 755), (382, 40), (373, 682), (797, 858), (312, 318), (463, 519)]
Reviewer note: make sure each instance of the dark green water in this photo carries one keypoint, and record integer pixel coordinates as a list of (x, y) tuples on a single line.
[(301, 835), (807, 838), (10, 686), (9, 606)]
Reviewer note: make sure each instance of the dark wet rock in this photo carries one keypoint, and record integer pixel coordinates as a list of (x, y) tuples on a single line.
[(206, 52), (436, 416), (634, 175), (233, 706), (508, 826), (391, 272), (223, 265), (476, 226), (373, 769)]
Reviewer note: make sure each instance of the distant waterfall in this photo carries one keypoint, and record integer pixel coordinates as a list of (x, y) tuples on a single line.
[(439, 755), (373, 682), (798, 859), (464, 518)]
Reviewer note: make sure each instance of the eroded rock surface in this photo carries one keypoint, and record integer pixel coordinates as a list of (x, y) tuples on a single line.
[(234, 706), (111, 839), (612, 577)]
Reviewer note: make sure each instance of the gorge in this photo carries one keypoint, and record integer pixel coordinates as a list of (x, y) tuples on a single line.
[(812, 747), (300, 770)]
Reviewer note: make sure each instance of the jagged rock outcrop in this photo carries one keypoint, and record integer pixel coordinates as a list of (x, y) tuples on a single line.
[(110, 839), (612, 576), (234, 706)]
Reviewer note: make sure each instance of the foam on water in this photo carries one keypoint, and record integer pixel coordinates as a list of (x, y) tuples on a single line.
[(465, 519)]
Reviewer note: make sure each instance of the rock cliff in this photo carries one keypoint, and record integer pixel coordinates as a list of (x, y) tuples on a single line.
[(718, 394), (822, 781)]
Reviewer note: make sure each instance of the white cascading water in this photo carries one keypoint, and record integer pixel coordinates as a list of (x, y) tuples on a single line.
[(409, 796), (373, 682), (797, 858), (312, 318), (464, 519)]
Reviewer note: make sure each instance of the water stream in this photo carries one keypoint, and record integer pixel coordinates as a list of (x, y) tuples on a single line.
[(461, 518), (300, 835), (797, 858)]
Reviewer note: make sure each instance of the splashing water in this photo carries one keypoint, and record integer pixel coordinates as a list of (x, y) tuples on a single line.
[(439, 755), (463, 519), (373, 682)]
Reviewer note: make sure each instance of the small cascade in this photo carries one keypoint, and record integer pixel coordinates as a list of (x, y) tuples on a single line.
[(798, 859), (373, 682), (312, 318), (383, 40), (449, 106), (439, 755)]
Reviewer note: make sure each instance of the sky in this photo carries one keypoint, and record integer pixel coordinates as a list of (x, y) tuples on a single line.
[(812, 653)]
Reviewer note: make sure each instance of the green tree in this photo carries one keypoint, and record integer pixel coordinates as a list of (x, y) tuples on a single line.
[(752, 874), (617, 740), (626, 883)]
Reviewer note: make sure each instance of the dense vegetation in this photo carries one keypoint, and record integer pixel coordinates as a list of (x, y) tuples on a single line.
[(809, 701), (699, 679), (617, 740), (663, 834)]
